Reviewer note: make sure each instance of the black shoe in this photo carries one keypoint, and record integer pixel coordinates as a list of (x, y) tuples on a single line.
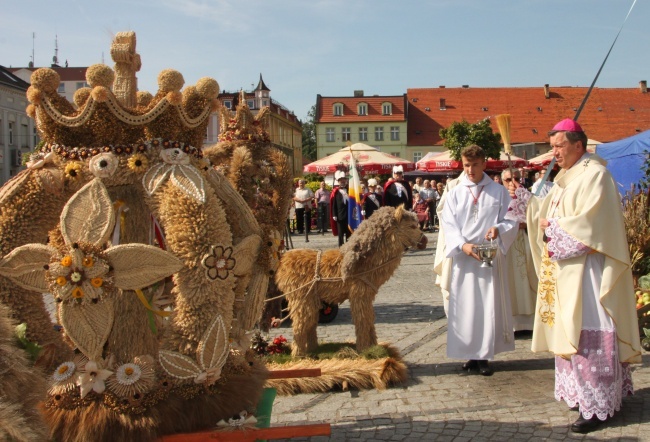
[(470, 365), (484, 368), (583, 425)]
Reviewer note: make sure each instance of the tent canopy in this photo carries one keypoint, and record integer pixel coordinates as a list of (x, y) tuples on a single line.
[(369, 160), (443, 162), (625, 159)]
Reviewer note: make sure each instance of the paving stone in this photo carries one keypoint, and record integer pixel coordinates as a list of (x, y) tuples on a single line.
[(516, 404)]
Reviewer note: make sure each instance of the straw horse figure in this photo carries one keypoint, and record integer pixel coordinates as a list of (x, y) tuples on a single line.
[(355, 271)]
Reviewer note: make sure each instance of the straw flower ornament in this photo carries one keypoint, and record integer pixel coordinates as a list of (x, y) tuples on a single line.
[(82, 275), (92, 378), (133, 378)]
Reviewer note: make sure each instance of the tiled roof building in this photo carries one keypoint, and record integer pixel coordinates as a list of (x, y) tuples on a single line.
[(609, 114), (378, 120)]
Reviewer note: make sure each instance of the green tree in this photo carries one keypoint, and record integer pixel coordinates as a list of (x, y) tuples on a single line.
[(459, 135), (309, 135)]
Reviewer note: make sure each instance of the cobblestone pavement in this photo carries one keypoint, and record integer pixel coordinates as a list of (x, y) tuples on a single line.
[(436, 403)]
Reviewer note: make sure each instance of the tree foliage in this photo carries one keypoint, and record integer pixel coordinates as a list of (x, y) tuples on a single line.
[(462, 134), (309, 135)]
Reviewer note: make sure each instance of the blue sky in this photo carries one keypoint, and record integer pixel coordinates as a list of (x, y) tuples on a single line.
[(333, 47)]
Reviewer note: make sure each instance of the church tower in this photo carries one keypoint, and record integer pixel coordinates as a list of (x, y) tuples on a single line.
[(262, 94)]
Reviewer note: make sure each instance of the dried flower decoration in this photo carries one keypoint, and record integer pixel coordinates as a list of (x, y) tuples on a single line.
[(138, 163), (92, 378), (133, 378), (84, 271), (78, 275), (219, 262), (38, 160), (73, 170), (241, 421), (64, 378), (103, 165)]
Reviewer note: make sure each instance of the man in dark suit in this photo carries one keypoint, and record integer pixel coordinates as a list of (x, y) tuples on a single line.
[(339, 208)]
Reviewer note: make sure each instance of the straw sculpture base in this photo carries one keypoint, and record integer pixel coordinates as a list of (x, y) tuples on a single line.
[(342, 374)]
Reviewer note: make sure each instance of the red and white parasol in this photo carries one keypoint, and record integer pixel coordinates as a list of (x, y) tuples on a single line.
[(369, 160), (443, 162)]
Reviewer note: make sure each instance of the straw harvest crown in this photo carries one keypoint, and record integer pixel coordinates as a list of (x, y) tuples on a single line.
[(111, 116)]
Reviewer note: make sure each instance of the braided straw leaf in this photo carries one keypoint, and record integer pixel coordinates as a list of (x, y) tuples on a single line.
[(213, 347), (136, 266), (14, 185), (25, 266), (190, 181), (88, 216), (88, 325), (178, 366)]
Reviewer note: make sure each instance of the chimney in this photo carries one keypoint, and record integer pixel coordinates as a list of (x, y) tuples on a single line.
[(547, 91), (358, 93), (443, 105), (643, 86)]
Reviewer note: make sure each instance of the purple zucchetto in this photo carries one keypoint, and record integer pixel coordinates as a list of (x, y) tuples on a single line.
[(567, 125)]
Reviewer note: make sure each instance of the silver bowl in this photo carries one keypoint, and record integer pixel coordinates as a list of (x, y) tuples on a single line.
[(486, 252)]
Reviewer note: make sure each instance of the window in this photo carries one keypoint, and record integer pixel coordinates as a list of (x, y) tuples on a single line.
[(395, 154), (228, 104), (363, 134), (11, 133), (61, 88), (394, 133), (417, 156), (251, 104), (265, 103), (35, 136), (379, 133), (24, 136), (387, 109), (362, 109), (329, 134), (345, 133), (338, 109), (81, 84)]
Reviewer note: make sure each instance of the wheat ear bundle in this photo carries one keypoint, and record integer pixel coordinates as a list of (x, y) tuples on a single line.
[(503, 123)]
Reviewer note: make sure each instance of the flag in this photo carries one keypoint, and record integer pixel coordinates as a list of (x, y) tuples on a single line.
[(354, 196)]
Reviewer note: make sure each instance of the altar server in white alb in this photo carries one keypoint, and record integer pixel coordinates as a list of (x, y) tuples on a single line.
[(480, 317), (585, 310)]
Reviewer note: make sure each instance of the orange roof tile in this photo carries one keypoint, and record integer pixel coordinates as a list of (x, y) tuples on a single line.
[(610, 113), (325, 108)]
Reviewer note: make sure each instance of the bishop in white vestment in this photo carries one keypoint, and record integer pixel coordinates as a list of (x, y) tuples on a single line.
[(585, 311)]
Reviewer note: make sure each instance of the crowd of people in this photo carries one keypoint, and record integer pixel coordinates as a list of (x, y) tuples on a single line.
[(330, 205), (561, 270)]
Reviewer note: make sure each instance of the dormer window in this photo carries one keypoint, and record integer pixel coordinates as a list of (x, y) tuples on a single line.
[(387, 109), (251, 104), (227, 104), (362, 108), (338, 109)]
